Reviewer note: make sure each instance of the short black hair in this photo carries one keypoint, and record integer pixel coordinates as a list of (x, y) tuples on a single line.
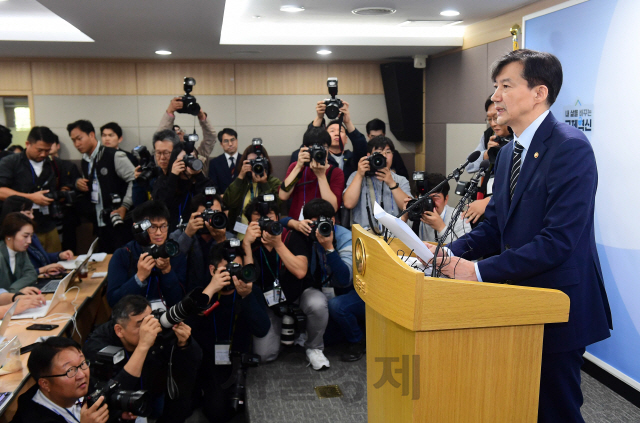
[(251, 207), (151, 210), (114, 127), (488, 103), (166, 135), (539, 68), (335, 122), (380, 142), (43, 353), (315, 135), (41, 133), (201, 200), (217, 253), (318, 207), (15, 203), (12, 224), (127, 306), (15, 147), (83, 125), (376, 125), (434, 179), (5, 137), (227, 131)]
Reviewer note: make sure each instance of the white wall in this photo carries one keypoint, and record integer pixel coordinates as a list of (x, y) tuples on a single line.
[(462, 139)]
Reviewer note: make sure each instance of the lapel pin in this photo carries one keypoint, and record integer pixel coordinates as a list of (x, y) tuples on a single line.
[(535, 156)]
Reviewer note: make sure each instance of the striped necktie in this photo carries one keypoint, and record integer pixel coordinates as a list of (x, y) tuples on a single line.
[(515, 167)]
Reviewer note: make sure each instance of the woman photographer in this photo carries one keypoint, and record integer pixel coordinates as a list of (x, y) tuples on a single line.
[(43, 262), (249, 184)]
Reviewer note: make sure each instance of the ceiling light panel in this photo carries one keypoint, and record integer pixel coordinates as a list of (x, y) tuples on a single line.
[(449, 13), (291, 9)]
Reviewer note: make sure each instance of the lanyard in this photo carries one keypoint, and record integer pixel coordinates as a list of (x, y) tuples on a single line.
[(381, 194), (33, 175), (231, 326), (183, 206), (266, 259), (304, 187), (71, 414)]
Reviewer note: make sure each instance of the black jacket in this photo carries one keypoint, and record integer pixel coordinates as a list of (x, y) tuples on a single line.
[(30, 412), (175, 193), (220, 174)]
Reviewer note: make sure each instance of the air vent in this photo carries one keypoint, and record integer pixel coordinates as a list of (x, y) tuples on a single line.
[(373, 11), (428, 24)]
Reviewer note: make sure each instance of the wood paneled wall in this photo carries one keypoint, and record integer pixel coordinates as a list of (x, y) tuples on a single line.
[(78, 77)]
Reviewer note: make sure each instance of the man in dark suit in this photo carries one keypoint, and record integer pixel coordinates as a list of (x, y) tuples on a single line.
[(541, 222), (222, 168)]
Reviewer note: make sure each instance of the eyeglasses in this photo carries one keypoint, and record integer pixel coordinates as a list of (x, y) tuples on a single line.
[(163, 153), (493, 119), (229, 141), (163, 229), (73, 370)]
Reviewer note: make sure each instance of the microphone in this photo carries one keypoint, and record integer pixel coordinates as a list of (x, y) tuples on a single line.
[(472, 158)]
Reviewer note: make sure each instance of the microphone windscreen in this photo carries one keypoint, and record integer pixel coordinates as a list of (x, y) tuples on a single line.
[(473, 156), (484, 165)]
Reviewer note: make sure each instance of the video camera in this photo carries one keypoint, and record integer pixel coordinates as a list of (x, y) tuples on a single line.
[(189, 105), (259, 165), (272, 227), (322, 226), (377, 161), (422, 189), (247, 273), (148, 168), (237, 381), (169, 249), (333, 104), (318, 153)]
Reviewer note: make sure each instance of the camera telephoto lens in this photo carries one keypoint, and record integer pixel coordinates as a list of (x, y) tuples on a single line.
[(325, 229), (194, 163), (376, 162), (249, 273)]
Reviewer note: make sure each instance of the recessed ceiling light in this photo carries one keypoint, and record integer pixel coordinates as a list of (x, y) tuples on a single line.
[(449, 13), (323, 52), (373, 11), (163, 52), (291, 9)]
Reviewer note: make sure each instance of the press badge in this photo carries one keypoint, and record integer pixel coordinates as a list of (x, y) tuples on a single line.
[(222, 354), (240, 228), (490, 186), (44, 210), (275, 296), (329, 292), (95, 192)]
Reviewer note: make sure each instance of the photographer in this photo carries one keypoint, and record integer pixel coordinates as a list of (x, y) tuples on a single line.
[(111, 136), (377, 127), (433, 224), (227, 332), (285, 266), (184, 180), (61, 373), (367, 185), (197, 239), (5, 141), (107, 180), (208, 133), (308, 179), (30, 174), (147, 360), (223, 168), (248, 185), (134, 271)]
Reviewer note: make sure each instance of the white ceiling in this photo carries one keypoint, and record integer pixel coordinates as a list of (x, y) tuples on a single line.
[(191, 29)]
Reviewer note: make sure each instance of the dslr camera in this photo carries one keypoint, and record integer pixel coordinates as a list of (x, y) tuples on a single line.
[(272, 227), (247, 273), (422, 190), (215, 218), (377, 161), (189, 105), (318, 153), (169, 249), (68, 197), (259, 165), (333, 104), (237, 381), (135, 402), (148, 168), (115, 218), (322, 226), (493, 151), (193, 303), (293, 321)]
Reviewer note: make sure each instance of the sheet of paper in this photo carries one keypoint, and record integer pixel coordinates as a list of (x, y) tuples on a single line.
[(403, 232), (71, 264), (98, 275)]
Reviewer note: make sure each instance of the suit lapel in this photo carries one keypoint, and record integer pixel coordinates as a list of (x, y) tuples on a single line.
[(531, 162)]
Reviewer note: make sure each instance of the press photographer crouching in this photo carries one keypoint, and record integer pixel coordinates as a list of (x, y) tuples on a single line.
[(137, 351), (226, 329), (184, 180), (61, 373), (150, 265)]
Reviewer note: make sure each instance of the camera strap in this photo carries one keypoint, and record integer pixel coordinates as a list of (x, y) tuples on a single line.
[(373, 223), (232, 325)]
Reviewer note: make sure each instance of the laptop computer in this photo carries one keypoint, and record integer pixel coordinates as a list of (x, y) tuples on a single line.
[(42, 311), (49, 285), (6, 319)]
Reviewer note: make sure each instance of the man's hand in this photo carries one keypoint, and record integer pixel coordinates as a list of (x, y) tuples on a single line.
[(178, 167), (301, 225), (137, 172), (26, 302), (191, 172), (434, 220), (122, 211), (272, 241), (490, 144), (326, 242), (195, 224), (385, 176), (97, 413), (149, 330), (363, 166), (476, 210), (242, 288), (65, 255), (320, 170), (174, 104), (320, 109), (441, 253), (30, 290), (303, 158), (458, 268), (164, 264), (82, 184), (219, 280), (52, 269), (346, 116), (253, 232), (146, 263), (246, 167), (202, 116), (40, 199), (183, 332)]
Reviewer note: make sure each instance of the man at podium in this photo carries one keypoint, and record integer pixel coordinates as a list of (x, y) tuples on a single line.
[(541, 222)]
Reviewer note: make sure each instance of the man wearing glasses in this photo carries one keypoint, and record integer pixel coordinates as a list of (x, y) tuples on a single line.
[(223, 168), (134, 272), (62, 380)]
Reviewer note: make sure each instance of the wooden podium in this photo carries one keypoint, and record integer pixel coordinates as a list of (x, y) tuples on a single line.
[(446, 350)]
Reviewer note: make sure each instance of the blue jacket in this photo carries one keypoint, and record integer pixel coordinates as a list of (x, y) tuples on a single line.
[(340, 262), (545, 234), (122, 279), (39, 256)]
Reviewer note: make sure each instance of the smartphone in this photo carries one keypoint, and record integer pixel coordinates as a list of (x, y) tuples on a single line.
[(27, 348), (42, 327)]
